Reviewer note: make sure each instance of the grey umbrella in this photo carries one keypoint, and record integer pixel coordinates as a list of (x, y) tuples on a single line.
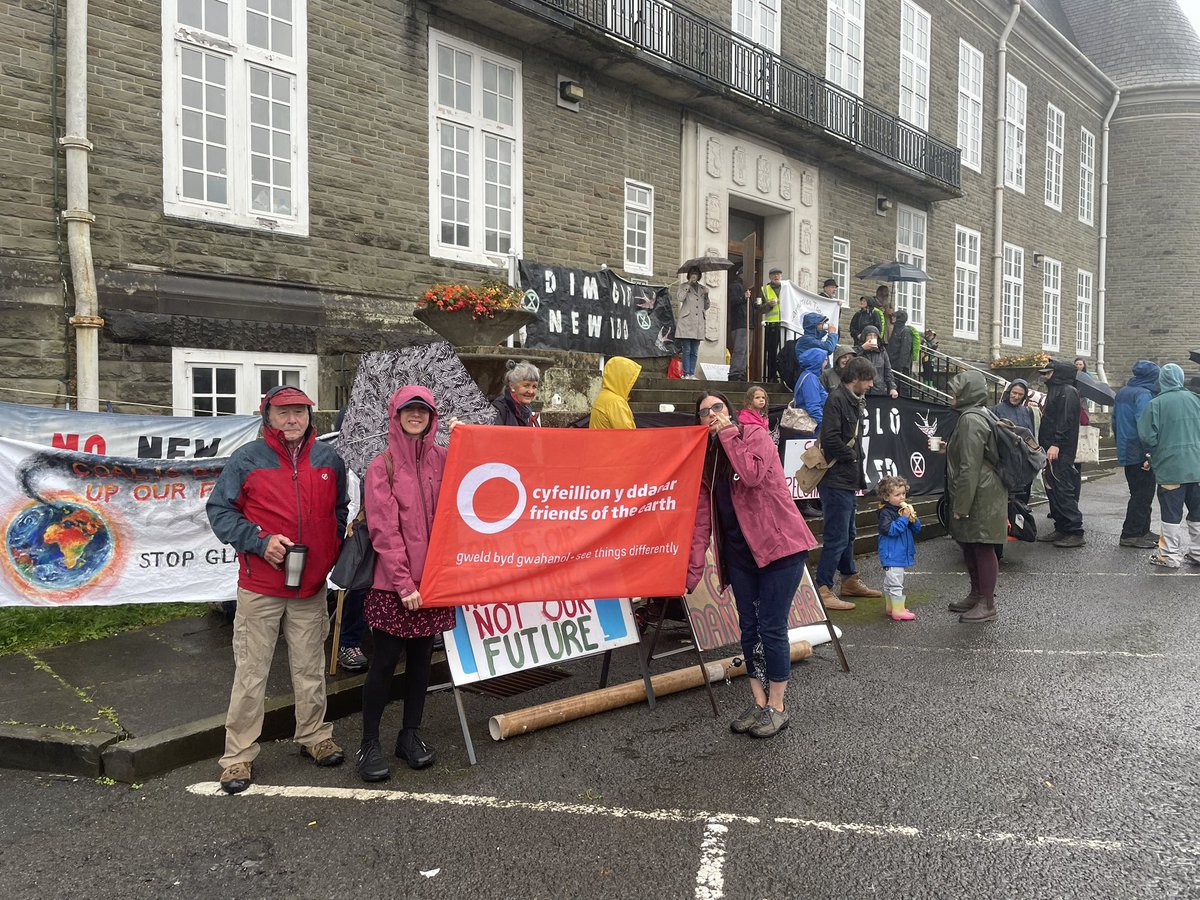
[(893, 271), (1094, 389), (1194, 356), (707, 264)]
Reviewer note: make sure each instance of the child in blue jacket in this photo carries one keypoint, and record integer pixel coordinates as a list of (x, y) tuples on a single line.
[(898, 527)]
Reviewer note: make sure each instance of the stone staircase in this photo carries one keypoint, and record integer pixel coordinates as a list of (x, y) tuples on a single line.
[(652, 393)]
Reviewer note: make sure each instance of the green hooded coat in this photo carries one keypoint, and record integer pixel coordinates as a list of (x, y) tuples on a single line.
[(1170, 428), (976, 491)]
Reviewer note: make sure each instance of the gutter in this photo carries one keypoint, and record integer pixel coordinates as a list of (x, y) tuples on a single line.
[(998, 214)]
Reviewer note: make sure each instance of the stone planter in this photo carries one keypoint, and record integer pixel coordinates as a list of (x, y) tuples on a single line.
[(463, 331)]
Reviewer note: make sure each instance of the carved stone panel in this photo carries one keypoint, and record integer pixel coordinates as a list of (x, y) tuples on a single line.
[(739, 165), (764, 175), (806, 237), (808, 188), (807, 280), (714, 154), (713, 279), (712, 213), (785, 182)]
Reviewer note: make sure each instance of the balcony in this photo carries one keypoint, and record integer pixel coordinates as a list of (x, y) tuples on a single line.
[(675, 54)]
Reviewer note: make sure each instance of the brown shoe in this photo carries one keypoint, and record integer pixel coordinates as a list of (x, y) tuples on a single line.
[(236, 778), (325, 754), (830, 600), (852, 587)]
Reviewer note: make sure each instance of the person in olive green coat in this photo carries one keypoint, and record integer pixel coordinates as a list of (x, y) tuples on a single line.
[(978, 498)]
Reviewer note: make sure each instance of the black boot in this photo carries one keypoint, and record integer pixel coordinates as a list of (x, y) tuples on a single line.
[(984, 611), (370, 762), (966, 604), (413, 750)]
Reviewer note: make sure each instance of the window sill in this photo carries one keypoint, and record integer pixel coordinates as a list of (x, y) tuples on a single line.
[(263, 224)]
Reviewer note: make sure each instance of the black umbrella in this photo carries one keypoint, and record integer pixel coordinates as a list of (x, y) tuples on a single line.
[(893, 271), (1194, 356), (1095, 390), (707, 264)]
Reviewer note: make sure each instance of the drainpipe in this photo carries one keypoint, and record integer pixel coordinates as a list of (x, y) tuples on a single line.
[(1102, 276), (86, 321), (998, 215)]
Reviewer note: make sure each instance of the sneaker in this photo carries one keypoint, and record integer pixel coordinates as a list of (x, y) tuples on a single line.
[(1142, 542), (324, 754), (1071, 540), (1051, 537), (1164, 562), (770, 722), (414, 751), (236, 778), (742, 723), (352, 659), (1193, 558), (370, 762)]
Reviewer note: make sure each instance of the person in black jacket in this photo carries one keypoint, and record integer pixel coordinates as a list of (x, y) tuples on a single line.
[(841, 443), (1059, 437), (865, 316), (514, 405), (737, 308)]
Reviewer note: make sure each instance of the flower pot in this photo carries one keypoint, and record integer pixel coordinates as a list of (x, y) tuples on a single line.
[(462, 331)]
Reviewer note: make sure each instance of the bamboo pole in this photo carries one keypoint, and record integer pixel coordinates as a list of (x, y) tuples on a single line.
[(544, 715)]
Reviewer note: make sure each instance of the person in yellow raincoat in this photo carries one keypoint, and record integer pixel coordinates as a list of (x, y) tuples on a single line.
[(611, 409)]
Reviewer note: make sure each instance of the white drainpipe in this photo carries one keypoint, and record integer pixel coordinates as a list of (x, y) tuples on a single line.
[(86, 321), (998, 215)]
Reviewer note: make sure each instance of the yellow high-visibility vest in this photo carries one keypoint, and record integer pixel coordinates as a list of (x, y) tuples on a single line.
[(768, 294)]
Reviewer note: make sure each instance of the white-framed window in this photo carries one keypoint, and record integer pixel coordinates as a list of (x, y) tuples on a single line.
[(1051, 303), (1055, 124), (235, 112), (970, 106), (232, 382), (1087, 175), (914, 64), (910, 248), (1014, 135), (758, 20), (1083, 314), (643, 23), (1013, 307), (475, 170), (840, 269), (639, 228), (844, 47), (966, 283)]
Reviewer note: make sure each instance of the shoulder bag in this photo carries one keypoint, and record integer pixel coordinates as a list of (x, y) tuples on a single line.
[(796, 418), (355, 566)]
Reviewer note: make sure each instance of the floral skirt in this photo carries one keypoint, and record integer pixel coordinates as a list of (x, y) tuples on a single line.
[(383, 610)]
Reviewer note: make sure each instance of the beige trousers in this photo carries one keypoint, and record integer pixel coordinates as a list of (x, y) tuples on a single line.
[(256, 627)]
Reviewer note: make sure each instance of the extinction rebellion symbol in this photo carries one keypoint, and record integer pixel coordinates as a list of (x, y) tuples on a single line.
[(916, 462)]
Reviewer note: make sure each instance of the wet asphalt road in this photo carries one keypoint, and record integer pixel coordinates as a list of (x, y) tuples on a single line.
[(1053, 753)]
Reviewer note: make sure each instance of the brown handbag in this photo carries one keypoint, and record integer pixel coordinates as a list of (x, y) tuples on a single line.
[(813, 467)]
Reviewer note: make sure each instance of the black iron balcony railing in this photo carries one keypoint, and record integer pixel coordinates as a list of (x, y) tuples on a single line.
[(703, 47)]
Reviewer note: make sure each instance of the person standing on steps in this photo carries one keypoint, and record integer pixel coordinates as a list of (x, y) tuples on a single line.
[(738, 309), (611, 409), (690, 320), (767, 305), (840, 427), (1059, 437), (978, 498)]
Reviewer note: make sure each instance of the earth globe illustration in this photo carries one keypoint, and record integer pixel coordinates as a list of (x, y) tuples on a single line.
[(59, 546)]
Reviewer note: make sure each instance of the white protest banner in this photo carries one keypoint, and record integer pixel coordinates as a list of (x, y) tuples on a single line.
[(497, 639), (115, 434), (794, 302), (85, 529)]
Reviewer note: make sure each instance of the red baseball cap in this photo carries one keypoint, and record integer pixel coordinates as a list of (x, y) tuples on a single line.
[(285, 395)]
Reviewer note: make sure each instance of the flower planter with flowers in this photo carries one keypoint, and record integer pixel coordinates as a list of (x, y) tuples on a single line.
[(1024, 365), (480, 315)]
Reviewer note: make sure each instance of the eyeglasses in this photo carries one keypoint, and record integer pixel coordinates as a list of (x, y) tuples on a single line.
[(707, 411)]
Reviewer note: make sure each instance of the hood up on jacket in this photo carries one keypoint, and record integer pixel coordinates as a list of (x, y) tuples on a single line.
[(1008, 391), (620, 374), (1145, 375), (842, 350), (969, 389), (1170, 378), (811, 323), (900, 319), (1064, 372), (867, 332), (812, 361), (405, 450)]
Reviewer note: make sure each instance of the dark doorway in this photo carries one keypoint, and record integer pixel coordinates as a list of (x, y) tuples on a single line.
[(746, 232)]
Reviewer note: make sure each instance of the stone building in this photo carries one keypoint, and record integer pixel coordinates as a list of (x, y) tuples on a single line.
[(274, 182)]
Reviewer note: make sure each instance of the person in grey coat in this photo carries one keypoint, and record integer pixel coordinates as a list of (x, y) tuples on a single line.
[(689, 321), (885, 381)]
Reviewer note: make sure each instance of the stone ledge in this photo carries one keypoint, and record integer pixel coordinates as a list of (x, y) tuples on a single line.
[(52, 750)]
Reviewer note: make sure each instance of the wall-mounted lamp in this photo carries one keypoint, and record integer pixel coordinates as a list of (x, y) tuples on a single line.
[(882, 205), (1037, 258), (570, 92)]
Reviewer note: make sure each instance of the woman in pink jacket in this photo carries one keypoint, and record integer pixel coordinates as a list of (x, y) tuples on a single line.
[(400, 495), (760, 542)]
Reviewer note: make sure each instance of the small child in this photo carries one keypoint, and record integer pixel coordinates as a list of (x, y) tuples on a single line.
[(898, 525), (755, 410)]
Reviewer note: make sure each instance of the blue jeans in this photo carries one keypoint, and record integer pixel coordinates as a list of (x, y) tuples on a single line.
[(764, 599), (837, 547), (353, 626), (691, 350)]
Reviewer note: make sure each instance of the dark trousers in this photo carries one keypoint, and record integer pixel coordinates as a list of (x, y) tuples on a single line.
[(837, 548), (418, 653), (354, 627), (1141, 496), (982, 566), (771, 334), (1062, 490), (764, 599), (1172, 502)]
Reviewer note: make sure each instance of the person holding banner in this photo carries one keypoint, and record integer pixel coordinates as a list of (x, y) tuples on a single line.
[(514, 405), (281, 502), (401, 495), (760, 542)]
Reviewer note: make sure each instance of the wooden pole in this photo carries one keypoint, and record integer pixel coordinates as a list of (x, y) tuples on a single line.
[(544, 715)]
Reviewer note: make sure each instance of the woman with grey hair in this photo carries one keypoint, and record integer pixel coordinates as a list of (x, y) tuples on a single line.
[(514, 405)]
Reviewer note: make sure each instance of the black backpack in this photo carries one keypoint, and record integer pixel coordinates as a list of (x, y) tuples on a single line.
[(787, 365), (1020, 456)]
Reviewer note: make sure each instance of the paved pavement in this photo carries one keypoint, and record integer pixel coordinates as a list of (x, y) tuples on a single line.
[(1052, 753)]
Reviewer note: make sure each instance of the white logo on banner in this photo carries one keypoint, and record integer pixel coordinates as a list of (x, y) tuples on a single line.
[(474, 480), (917, 463)]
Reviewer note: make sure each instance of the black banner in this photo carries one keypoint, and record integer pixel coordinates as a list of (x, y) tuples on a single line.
[(597, 312)]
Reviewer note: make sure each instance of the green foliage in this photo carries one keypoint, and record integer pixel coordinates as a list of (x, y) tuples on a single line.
[(24, 628)]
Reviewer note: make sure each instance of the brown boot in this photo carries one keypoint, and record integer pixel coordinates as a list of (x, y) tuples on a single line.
[(966, 604), (852, 587), (830, 600), (984, 611)]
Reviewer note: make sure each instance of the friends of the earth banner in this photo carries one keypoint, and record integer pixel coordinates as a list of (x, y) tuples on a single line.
[(115, 434), (563, 514), (597, 312), (87, 529)]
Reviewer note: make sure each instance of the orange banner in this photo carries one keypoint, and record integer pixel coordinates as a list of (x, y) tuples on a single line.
[(563, 514)]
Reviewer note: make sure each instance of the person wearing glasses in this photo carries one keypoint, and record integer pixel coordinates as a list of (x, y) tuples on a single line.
[(760, 543)]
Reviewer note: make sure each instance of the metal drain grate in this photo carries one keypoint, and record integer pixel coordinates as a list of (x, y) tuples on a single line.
[(518, 682)]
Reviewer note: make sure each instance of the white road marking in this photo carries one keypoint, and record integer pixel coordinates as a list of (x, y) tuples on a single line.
[(710, 877), (1010, 573), (851, 827), (1022, 651), (994, 837)]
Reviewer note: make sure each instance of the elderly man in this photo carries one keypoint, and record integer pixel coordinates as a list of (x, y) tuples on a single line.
[(282, 494), (768, 306), (1170, 428)]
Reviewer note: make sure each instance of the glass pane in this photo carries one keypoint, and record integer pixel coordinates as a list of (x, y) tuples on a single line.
[(260, 168), (282, 9), (281, 116), (280, 87), (283, 203), (260, 140), (202, 406), (291, 377), (216, 17), (261, 201), (214, 69), (462, 97), (216, 160), (193, 155), (193, 125), (202, 380), (267, 379), (260, 80), (281, 173), (257, 5), (227, 406), (216, 130), (226, 380), (193, 185), (260, 111), (281, 145), (214, 98), (216, 189), (192, 94), (192, 63), (257, 31), (281, 37), (190, 13)]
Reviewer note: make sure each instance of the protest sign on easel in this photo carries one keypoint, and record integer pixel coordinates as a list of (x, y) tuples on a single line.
[(492, 640)]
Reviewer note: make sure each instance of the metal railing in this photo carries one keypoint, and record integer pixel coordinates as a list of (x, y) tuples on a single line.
[(674, 35)]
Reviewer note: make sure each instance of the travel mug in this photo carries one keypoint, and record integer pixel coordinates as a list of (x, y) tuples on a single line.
[(293, 565)]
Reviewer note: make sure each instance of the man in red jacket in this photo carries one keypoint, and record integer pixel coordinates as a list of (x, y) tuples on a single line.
[(279, 492)]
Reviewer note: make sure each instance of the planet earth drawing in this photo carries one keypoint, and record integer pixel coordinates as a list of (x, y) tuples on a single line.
[(58, 547)]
